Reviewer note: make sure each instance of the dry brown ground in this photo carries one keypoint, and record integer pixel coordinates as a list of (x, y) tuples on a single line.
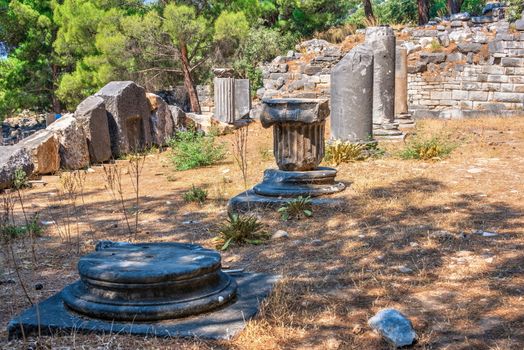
[(341, 266)]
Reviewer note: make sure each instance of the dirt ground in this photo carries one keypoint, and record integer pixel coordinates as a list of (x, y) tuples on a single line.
[(410, 236)]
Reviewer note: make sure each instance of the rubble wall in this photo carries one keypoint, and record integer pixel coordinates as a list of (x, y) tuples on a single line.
[(456, 69)]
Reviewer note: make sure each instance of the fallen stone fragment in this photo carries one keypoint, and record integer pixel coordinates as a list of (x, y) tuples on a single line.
[(43, 147), (394, 327), (92, 116), (13, 158), (74, 153), (280, 234)]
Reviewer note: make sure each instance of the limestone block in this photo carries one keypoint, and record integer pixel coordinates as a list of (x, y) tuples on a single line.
[(508, 97), (91, 114), (459, 94), (43, 147), (433, 57), (162, 126), (469, 47), (441, 95), (128, 116), (13, 158), (478, 95), (512, 62), (74, 153)]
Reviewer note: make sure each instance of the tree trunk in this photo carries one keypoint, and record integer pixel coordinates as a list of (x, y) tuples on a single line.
[(57, 108), (368, 10), (188, 79), (454, 6), (423, 12)]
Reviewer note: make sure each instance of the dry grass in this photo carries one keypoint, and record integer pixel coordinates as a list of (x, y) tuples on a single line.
[(464, 292)]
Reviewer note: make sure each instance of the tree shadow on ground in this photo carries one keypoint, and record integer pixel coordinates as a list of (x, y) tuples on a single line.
[(351, 272)]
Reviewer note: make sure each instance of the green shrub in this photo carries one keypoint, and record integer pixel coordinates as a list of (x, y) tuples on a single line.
[(434, 148), (191, 149), (10, 231), (196, 194), (296, 208), (240, 229)]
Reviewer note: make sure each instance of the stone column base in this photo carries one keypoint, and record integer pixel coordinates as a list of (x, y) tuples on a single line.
[(404, 120), (279, 186)]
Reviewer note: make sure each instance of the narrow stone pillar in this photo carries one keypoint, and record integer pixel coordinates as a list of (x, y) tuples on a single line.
[(382, 42), (225, 99), (352, 96), (401, 81)]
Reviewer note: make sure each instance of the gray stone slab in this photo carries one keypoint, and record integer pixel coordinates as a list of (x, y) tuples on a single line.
[(352, 96), (223, 323), (249, 200), (128, 116), (242, 98)]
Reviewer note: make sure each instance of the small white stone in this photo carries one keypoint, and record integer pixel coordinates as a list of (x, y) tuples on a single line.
[(280, 234), (220, 299), (405, 269)]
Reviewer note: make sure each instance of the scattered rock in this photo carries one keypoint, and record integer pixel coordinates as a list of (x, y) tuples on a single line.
[(405, 269), (280, 234), (394, 327), (486, 233), (13, 158)]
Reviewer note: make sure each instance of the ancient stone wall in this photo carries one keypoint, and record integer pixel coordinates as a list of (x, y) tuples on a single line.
[(456, 69), (480, 78)]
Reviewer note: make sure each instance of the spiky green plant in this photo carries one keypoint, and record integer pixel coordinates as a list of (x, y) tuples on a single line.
[(240, 229), (196, 194), (296, 208)]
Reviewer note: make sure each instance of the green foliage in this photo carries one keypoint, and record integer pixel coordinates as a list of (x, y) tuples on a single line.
[(474, 7), (240, 229), (26, 79), (20, 180), (296, 208), (260, 45), (434, 148), (191, 149), (515, 8), (10, 231), (339, 152), (196, 194)]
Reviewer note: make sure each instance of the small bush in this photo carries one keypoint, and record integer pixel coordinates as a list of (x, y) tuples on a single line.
[(431, 149), (20, 180), (343, 152), (191, 149), (240, 229), (195, 194), (296, 208), (9, 231)]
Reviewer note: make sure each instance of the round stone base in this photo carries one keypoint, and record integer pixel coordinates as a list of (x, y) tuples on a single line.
[(148, 282), (313, 183)]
